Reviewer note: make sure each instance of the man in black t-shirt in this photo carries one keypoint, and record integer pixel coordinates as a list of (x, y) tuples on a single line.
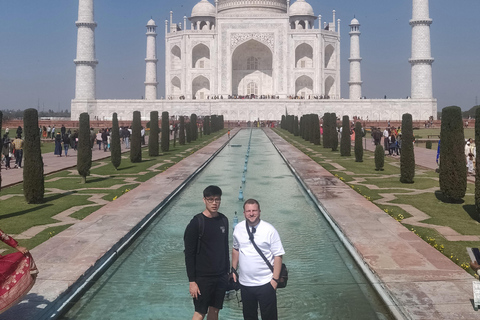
[(207, 257)]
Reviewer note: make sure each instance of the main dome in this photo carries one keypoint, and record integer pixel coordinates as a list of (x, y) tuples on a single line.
[(252, 6)]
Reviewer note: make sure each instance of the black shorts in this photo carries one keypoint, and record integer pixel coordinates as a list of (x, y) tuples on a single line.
[(212, 291)]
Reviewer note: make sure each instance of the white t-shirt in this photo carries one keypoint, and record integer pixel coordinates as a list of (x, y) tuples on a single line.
[(253, 270)]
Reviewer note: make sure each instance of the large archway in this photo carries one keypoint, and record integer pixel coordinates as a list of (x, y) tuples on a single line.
[(252, 62), (304, 56), (176, 57), (201, 56), (176, 88), (304, 86), (200, 87)]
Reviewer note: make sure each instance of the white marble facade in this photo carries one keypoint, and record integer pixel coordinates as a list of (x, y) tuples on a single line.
[(261, 48)]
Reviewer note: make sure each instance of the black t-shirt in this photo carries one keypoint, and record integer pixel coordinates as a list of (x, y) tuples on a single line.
[(212, 259)]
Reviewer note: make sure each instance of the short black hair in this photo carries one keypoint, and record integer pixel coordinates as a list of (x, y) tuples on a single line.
[(251, 201), (211, 191)]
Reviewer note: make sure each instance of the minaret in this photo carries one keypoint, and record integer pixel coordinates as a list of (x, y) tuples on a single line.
[(421, 59), (355, 82), (85, 61), (151, 62)]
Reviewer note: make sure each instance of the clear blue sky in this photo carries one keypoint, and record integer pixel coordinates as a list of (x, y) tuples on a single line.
[(38, 46)]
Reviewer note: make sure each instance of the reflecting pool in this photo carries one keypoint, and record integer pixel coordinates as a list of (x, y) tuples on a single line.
[(149, 281)]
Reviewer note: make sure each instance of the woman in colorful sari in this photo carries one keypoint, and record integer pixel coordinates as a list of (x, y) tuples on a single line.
[(17, 273)]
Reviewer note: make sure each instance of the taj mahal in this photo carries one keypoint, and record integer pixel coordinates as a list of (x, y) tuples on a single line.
[(255, 60)]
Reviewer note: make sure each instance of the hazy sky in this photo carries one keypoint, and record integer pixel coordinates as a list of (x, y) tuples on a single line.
[(38, 46)]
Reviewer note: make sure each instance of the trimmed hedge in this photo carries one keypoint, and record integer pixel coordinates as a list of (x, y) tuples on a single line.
[(33, 180), (333, 131), (136, 139), (477, 163), (345, 142), (165, 132), (181, 137), (379, 158), (358, 142), (153, 144), (84, 148), (407, 154), (453, 170), (115, 147)]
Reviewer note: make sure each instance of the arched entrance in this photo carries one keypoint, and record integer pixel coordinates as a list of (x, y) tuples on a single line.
[(252, 63)]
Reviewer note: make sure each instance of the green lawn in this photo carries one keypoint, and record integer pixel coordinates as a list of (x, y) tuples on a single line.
[(63, 190), (460, 217)]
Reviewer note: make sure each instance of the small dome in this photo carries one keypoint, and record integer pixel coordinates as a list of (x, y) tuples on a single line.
[(354, 22), (203, 9), (301, 8), (151, 22)]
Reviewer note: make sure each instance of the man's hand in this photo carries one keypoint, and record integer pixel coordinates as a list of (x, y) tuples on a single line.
[(474, 265), (274, 284), (234, 276), (194, 291)]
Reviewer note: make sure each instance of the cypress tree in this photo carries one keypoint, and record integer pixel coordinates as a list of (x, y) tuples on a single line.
[(136, 139), (295, 127), (181, 138), (153, 145), (345, 142), (326, 131), (165, 132), (115, 147), (193, 119), (84, 149), (33, 181), (477, 163), (206, 125), (379, 157), (407, 155), (333, 131), (316, 129), (358, 142), (189, 132), (453, 170)]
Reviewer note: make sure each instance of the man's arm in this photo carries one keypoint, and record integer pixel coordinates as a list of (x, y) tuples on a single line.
[(190, 241), (277, 267), (235, 255)]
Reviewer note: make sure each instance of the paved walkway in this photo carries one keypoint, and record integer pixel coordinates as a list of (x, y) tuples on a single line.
[(422, 282)]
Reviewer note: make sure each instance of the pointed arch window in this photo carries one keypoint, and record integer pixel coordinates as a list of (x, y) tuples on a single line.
[(252, 88), (252, 63)]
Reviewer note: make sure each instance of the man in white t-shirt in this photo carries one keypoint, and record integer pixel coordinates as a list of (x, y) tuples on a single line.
[(258, 282)]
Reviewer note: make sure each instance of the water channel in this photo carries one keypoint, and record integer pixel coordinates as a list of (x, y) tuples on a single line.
[(148, 281)]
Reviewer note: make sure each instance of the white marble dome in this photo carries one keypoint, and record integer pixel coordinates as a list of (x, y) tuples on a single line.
[(203, 9), (151, 22), (301, 8), (252, 7), (354, 22)]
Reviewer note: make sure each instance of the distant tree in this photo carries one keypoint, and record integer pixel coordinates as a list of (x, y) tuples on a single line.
[(84, 149), (345, 142), (477, 163), (327, 134), (115, 147), (33, 181), (153, 136), (333, 131), (136, 138), (283, 122), (165, 132), (407, 156), (206, 125), (316, 129), (295, 126), (379, 158), (194, 128), (428, 145), (453, 170), (358, 142), (181, 138), (188, 131)]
